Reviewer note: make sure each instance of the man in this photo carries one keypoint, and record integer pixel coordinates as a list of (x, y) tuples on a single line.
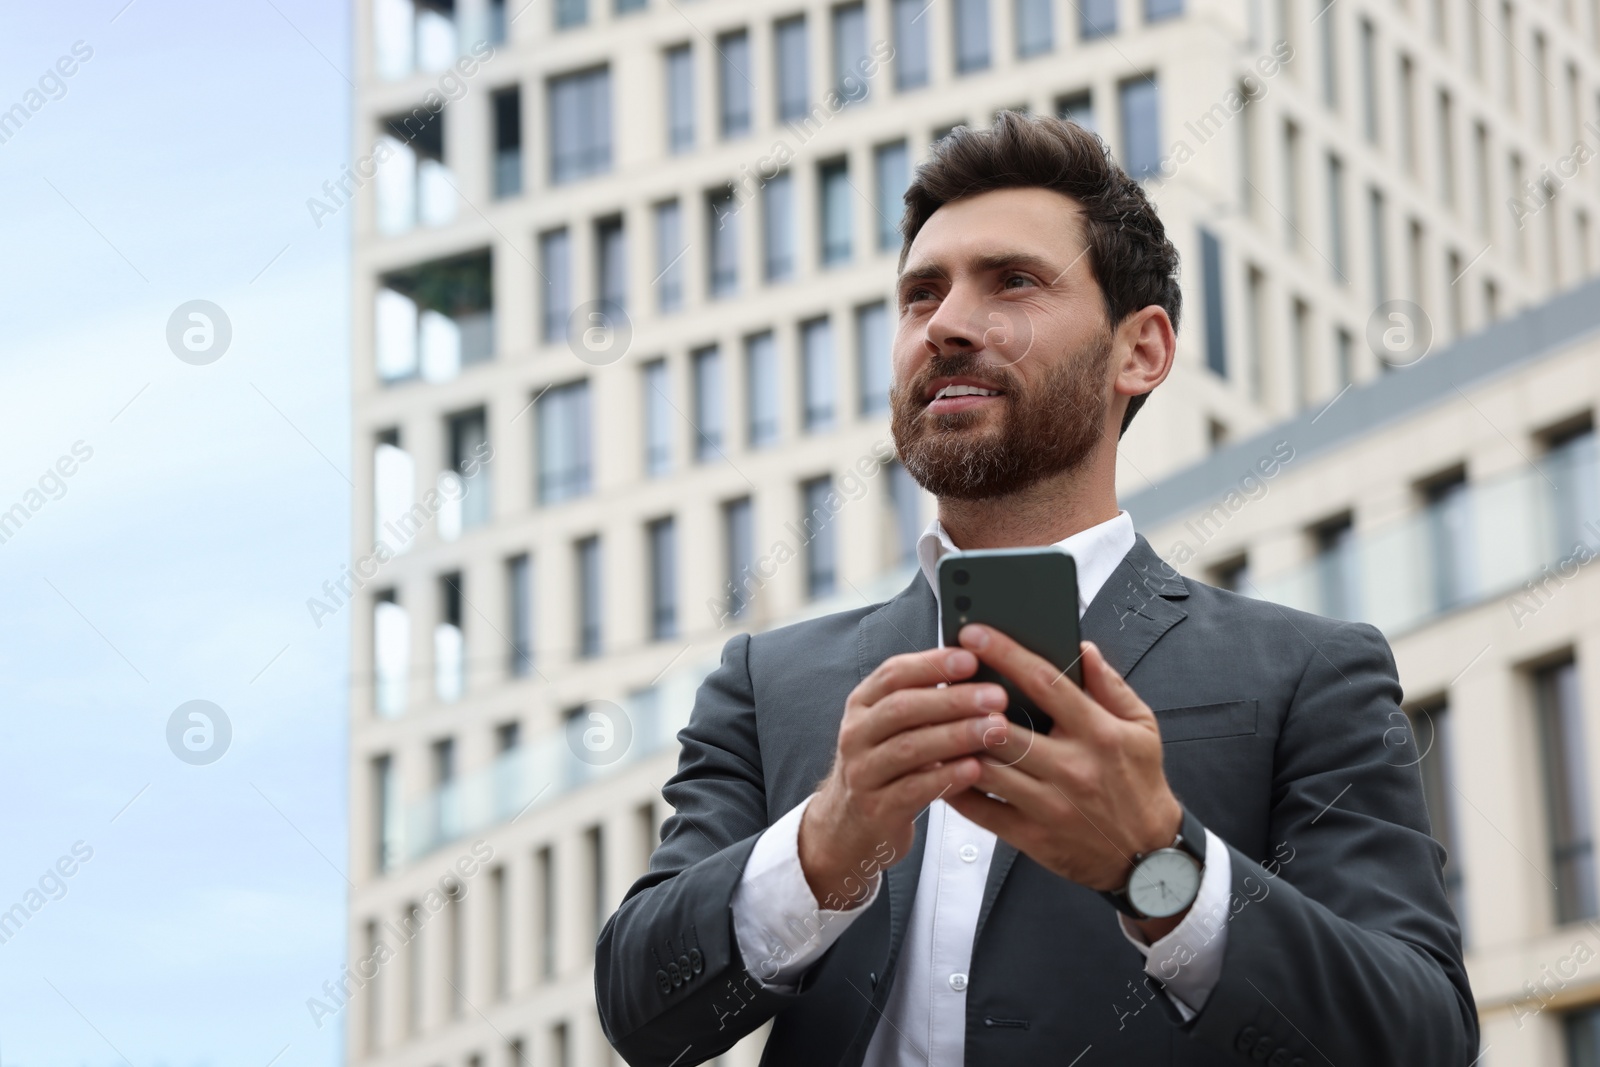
[(958, 890)]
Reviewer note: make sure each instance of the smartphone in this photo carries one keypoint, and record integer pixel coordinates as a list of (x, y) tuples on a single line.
[(1028, 594)]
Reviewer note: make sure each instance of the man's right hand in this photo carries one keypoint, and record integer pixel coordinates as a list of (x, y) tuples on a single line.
[(903, 743)]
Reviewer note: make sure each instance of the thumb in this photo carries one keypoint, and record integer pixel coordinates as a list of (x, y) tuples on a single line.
[(1108, 688)]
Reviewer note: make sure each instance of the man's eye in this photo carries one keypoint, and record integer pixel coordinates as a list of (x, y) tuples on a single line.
[(914, 295), (1020, 279)]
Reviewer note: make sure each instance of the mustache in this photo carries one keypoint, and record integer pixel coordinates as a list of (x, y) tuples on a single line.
[(968, 365)]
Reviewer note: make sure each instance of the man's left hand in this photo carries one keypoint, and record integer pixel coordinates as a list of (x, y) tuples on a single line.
[(1084, 798)]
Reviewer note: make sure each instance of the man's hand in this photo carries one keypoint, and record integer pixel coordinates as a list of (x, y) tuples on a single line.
[(1081, 800), (902, 744)]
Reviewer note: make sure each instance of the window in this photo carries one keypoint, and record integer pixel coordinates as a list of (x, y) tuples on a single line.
[(1233, 575), (834, 180), (1211, 282), (625, 7), (905, 503), (555, 269), (662, 537), (816, 370), (1369, 81), (733, 83), (708, 404), (470, 454), (1096, 19), (1377, 239), (507, 104), (670, 251), (1582, 1028), (587, 572), (384, 813), (680, 99), (1344, 350), (1156, 10), (1448, 518), (499, 932), (1327, 30), (544, 863), (850, 60), (971, 35), (449, 644), (1337, 577), (391, 654), (777, 228), (1141, 127), (1447, 149), (893, 166), (562, 417), (1079, 108), (1291, 185), (738, 524), (580, 125), (1035, 29), (789, 44), (821, 550), (910, 43), (433, 319), (657, 419), (594, 840), (519, 588), (1336, 217), (611, 243), (443, 758), (414, 188), (571, 13), (723, 219), (1569, 464), (761, 385), (1566, 776), (873, 339), (1434, 729)]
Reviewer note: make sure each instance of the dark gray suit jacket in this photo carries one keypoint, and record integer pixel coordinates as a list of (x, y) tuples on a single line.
[(1282, 732)]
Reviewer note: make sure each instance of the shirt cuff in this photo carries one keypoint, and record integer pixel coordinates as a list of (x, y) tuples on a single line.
[(780, 927), (1188, 961)]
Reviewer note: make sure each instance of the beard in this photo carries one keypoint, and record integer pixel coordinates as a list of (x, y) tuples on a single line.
[(1047, 429)]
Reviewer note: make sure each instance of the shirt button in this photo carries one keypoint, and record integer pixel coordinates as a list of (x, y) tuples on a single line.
[(958, 981), (968, 853)]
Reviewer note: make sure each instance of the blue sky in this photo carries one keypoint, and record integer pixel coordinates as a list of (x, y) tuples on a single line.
[(174, 563)]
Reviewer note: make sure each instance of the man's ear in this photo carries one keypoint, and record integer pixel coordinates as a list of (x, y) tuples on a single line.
[(1148, 346)]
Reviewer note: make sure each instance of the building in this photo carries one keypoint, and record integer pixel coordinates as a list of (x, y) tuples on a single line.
[(622, 272)]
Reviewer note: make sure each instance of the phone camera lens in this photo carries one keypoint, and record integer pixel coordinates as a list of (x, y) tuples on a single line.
[(963, 603), (959, 577)]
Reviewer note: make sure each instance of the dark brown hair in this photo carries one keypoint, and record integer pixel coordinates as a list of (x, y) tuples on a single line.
[(1129, 254)]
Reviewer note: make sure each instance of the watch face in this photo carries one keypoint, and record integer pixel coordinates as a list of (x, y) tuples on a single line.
[(1164, 883)]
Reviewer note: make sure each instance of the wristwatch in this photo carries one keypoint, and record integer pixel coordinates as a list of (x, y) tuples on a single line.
[(1165, 881)]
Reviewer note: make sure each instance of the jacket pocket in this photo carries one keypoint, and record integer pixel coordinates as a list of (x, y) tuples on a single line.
[(1231, 718)]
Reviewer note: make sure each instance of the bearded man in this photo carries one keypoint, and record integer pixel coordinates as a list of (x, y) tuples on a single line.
[(956, 890)]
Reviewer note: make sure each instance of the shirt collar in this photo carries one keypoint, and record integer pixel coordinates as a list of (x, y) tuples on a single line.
[(1097, 551)]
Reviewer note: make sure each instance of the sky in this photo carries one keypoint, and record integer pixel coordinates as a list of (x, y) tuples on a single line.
[(176, 513)]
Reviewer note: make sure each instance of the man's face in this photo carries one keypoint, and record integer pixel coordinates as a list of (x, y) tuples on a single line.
[(997, 293)]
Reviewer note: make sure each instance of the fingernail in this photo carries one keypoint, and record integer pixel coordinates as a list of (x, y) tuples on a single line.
[(976, 636), (962, 660), (991, 698)]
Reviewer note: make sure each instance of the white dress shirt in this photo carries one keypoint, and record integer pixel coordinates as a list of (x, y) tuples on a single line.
[(781, 929)]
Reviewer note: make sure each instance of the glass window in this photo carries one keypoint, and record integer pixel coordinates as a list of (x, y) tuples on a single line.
[(850, 60), (834, 181), (1326, 30), (589, 593), (1582, 1027), (723, 219), (1035, 28), (894, 175), (1448, 517), (571, 13), (708, 404), (657, 420), (1369, 88), (761, 384), (624, 7), (910, 43), (470, 456), (1574, 512), (384, 810), (670, 253), (555, 266), (1337, 576), (789, 42), (391, 654), (1079, 108), (817, 386), (1156, 10), (821, 548), (562, 416), (507, 105), (680, 99), (1336, 216), (611, 241), (1566, 777), (1211, 283), (777, 227), (873, 339), (1141, 127), (1433, 728), (905, 502), (971, 35), (738, 519), (1234, 576), (580, 124), (519, 583), (1097, 18), (663, 579), (733, 82)]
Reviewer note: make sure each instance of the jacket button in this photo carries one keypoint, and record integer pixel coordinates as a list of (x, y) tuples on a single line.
[(1263, 1049), (684, 966), (697, 962), (677, 975), (1279, 1058), (663, 982), (1246, 1039)]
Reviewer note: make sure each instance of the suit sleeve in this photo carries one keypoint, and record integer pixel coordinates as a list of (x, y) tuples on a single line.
[(670, 984), (1342, 945)]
